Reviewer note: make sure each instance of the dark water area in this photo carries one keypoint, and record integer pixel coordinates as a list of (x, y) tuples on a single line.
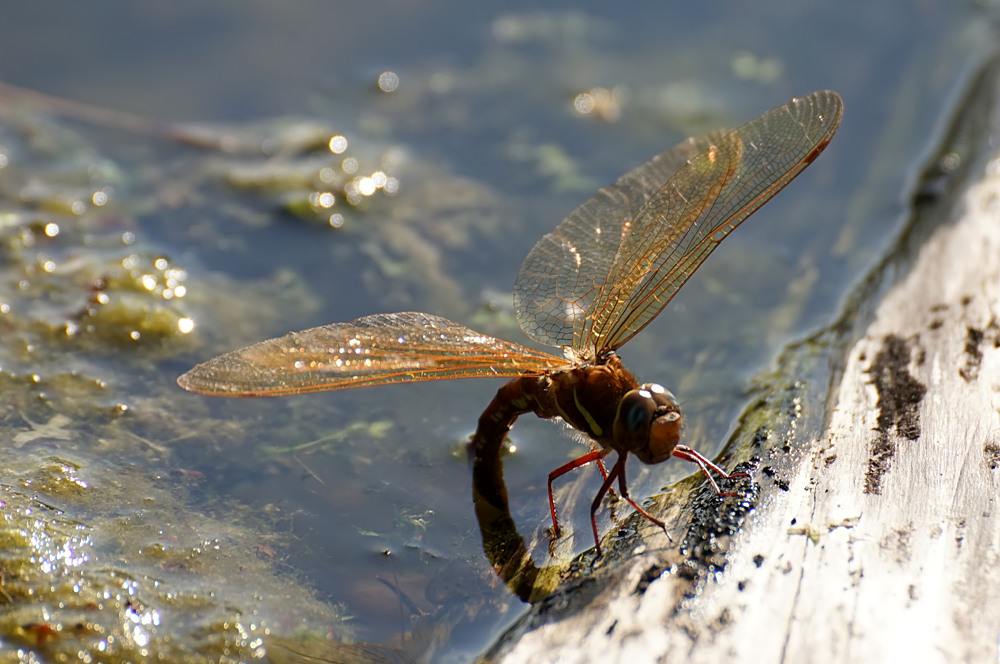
[(239, 526)]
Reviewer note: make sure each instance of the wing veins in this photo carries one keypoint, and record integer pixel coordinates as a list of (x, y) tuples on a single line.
[(374, 350)]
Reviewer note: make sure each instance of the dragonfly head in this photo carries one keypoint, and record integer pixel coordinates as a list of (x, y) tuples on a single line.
[(648, 423)]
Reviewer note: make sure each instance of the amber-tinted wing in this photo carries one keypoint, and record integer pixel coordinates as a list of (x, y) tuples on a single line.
[(374, 350), (612, 265), (562, 275)]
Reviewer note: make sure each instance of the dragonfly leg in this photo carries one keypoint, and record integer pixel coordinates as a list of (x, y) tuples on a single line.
[(616, 470), (595, 455), (617, 473), (600, 462), (707, 467), (602, 468), (623, 489)]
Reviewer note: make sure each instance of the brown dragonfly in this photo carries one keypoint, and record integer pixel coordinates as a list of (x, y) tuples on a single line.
[(587, 287)]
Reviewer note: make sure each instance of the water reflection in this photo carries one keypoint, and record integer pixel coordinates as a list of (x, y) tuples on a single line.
[(504, 546)]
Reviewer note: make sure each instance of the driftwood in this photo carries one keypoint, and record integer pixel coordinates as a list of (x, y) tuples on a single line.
[(871, 534)]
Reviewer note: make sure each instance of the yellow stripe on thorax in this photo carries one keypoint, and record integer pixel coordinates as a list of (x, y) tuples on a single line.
[(595, 428)]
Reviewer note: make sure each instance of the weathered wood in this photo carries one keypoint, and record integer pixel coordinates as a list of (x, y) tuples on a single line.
[(878, 538)]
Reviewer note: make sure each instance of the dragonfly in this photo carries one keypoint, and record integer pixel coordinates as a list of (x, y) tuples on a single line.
[(601, 276)]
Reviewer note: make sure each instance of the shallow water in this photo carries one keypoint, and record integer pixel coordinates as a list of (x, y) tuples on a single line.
[(193, 527)]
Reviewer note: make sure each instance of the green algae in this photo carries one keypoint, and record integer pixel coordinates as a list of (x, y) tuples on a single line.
[(108, 571)]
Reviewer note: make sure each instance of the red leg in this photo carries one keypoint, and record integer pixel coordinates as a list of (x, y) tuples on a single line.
[(616, 471), (595, 455), (623, 488), (604, 471), (602, 468), (688, 454)]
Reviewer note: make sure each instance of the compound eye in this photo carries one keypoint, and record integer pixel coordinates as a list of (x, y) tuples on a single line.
[(635, 412), (661, 395)]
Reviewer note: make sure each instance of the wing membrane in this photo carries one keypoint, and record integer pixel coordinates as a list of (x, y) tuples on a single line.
[(373, 350), (561, 276), (597, 302)]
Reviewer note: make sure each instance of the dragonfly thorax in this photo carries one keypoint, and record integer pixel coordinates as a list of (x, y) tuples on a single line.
[(648, 423), (574, 356)]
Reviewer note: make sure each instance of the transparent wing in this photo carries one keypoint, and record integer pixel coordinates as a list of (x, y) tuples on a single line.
[(373, 350), (563, 273), (597, 293)]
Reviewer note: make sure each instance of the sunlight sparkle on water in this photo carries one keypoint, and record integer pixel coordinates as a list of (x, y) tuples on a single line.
[(338, 144), (366, 186), (53, 558), (137, 624), (323, 199), (388, 81), (602, 103)]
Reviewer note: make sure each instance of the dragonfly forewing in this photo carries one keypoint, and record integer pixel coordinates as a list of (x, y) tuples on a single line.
[(373, 350)]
